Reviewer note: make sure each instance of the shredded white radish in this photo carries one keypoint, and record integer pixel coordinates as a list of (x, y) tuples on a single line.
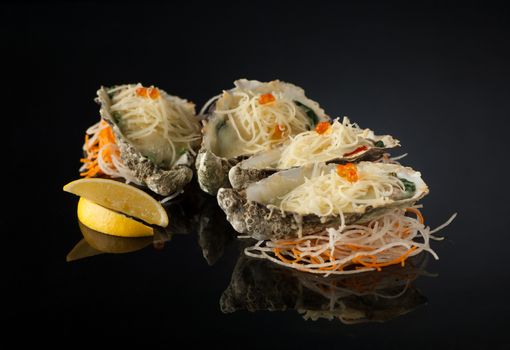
[(387, 240), (394, 159), (172, 196)]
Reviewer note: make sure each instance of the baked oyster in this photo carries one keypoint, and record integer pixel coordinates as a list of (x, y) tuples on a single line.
[(251, 117), (308, 199), (337, 142), (146, 136)]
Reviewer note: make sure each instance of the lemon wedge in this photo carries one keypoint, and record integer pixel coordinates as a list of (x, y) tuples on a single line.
[(109, 222), (120, 197)]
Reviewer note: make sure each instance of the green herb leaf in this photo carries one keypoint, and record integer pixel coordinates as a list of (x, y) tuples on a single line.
[(117, 117), (309, 112), (409, 185), (220, 125), (152, 158), (379, 144)]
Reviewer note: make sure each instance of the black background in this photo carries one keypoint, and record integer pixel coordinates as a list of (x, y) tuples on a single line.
[(434, 75)]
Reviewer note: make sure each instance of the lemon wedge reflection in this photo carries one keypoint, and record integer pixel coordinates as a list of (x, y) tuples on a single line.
[(95, 243), (112, 244)]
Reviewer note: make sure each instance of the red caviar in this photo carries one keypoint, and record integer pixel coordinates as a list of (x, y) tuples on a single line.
[(279, 131), (266, 98), (347, 171), (322, 127), (151, 92)]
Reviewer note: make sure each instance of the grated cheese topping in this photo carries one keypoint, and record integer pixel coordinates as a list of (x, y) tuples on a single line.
[(327, 193), (260, 121), (162, 127), (341, 138)]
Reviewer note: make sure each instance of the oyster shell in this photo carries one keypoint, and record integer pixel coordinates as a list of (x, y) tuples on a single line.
[(222, 147), (255, 210), (260, 285), (264, 164), (162, 178)]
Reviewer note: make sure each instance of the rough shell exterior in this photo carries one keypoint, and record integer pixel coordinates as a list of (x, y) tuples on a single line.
[(161, 181), (241, 177), (212, 171), (259, 285), (261, 222)]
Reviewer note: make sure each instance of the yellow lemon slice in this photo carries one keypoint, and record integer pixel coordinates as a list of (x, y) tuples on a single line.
[(120, 197), (107, 221)]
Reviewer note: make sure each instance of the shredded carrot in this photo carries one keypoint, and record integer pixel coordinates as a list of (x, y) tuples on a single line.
[(358, 247), (332, 267), (105, 137), (266, 98), (280, 256), (418, 214), (400, 260), (314, 260), (360, 261), (288, 252)]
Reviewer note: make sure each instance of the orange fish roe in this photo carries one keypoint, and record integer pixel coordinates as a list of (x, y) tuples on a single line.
[(322, 127), (151, 92), (348, 171), (279, 132), (266, 98)]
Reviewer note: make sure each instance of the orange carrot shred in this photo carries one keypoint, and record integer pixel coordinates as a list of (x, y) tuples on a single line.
[(417, 213), (105, 137)]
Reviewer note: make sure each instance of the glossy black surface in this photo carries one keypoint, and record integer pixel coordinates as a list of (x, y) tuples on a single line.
[(434, 76)]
